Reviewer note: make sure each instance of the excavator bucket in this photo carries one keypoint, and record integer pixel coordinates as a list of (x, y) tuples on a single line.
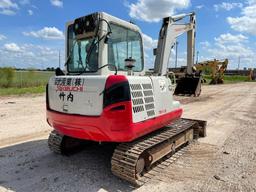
[(188, 86)]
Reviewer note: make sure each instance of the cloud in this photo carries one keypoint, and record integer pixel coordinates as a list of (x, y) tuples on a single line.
[(12, 47), (205, 44), (7, 7), (154, 11), (48, 33), (199, 6), (232, 47), (30, 12), (231, 51), (227, 6), (57, 3), (228, 38), (8, 4), (149, 42), (24, 2), (7, 12), (2, 37), (247, 22), (29, 55)]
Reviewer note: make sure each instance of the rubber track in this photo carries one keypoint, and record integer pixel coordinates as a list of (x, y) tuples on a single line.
[(55, 141), (126, 155)]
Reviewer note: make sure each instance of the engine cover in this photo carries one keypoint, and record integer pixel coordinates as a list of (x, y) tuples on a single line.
[(112, 108)]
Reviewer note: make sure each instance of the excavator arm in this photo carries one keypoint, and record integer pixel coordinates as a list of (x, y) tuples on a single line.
[(168, 35), (171, 29)]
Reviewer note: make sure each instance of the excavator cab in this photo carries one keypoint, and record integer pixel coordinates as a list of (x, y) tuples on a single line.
[(99, 44)]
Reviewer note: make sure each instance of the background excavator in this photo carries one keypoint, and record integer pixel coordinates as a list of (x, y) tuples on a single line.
[(105, 97), (215, 68), (251, 75)]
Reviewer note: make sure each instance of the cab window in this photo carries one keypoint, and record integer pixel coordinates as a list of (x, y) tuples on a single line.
[(123, 44)]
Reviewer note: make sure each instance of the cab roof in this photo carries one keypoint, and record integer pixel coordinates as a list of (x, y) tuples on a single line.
[(113, 19)]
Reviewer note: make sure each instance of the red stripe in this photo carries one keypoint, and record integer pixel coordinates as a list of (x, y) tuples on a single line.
[(111, 126)]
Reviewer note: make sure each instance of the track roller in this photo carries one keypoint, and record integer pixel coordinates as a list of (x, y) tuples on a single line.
[(139, 160)]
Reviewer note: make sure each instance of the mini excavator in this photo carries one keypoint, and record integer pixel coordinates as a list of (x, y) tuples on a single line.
[(104, 95)]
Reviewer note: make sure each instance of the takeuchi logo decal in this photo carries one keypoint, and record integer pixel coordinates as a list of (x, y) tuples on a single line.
[(69, 84), (70, 88)]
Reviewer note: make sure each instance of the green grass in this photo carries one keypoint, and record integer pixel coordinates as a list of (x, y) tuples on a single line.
[(21, 91), (235, 79), (229, 78), (24, 79), (25, 82)]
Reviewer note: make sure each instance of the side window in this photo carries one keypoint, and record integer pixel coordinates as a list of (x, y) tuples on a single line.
[(78, 51), (124, 43)]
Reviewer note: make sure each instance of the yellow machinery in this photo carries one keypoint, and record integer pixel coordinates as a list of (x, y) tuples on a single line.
[(251, 75), (216, 68)]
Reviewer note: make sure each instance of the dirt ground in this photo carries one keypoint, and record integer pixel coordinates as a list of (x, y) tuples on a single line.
[(223, 161)]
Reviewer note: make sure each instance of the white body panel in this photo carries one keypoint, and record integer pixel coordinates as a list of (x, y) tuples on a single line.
[(87, 95), (151, 97)]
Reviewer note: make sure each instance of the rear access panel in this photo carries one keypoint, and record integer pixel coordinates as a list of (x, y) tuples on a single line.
[(78, 95)]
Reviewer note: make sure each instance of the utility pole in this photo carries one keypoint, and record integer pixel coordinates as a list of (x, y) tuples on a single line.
[(59, 58), (238, 65), (197, 57), (176, 54)]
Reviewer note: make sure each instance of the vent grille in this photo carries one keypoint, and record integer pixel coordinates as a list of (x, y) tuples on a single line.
[(136, 94), (148, 93), (151, 113), (137, 109), (136, 87), (138, 101), (150, 106), (143, 99), (149, 99), (147, 86)]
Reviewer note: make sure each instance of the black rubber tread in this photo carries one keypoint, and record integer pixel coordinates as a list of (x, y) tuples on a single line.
[(126, 155), (55, 141), (65, 145)]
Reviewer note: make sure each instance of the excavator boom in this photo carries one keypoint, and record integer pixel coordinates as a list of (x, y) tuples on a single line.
[(168, 35), (170, 31)]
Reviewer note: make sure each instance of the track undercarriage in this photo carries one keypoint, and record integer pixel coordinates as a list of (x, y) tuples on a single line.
[(142, 159)]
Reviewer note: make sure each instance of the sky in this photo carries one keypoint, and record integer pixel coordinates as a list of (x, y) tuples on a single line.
[(32, 31)]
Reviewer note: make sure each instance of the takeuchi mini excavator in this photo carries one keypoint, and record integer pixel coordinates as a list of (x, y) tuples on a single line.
[(104, 96)]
